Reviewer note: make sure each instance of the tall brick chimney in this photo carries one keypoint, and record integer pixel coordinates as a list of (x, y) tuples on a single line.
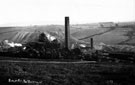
[(67, 33)]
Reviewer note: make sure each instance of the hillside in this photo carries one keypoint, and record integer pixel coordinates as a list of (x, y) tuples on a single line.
[(124, 33), (31, 34)]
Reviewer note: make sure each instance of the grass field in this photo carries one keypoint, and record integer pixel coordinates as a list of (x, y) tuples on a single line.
[(67, 73)]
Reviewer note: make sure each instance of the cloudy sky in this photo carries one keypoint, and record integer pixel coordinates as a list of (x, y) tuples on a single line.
[(30, 12)]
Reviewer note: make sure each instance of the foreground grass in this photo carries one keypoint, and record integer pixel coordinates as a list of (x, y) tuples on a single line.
[(67, 73)]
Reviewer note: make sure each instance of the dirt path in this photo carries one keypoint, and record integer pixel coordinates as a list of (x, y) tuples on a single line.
[(32, 60), (20, 61)]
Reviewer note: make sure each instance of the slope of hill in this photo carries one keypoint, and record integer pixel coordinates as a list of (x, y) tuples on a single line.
[(121, 34), (29, 34), (112, 37)]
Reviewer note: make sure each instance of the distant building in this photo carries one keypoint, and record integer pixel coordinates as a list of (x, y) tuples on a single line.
[(107, 24)]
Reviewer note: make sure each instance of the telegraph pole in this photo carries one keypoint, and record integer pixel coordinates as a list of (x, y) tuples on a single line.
[(91, 43)]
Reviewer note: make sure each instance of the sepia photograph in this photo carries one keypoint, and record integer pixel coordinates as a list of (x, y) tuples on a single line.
[(67, 42)]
